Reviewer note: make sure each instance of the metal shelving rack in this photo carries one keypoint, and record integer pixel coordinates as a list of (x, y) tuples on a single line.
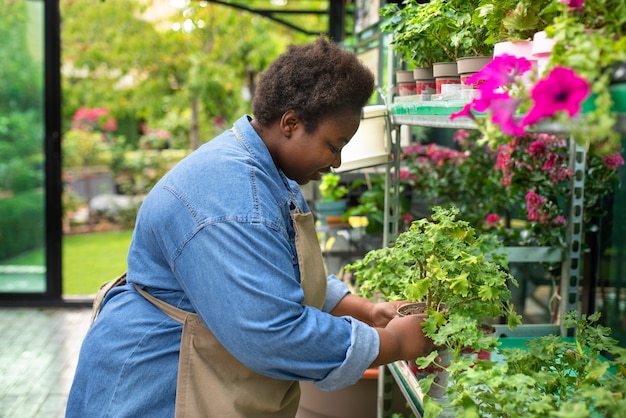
[(570, 257)]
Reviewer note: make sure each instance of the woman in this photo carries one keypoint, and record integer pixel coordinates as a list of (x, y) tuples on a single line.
[(226, 304)]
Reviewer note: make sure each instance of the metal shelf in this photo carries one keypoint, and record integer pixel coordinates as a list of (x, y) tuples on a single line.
[(466, 123)]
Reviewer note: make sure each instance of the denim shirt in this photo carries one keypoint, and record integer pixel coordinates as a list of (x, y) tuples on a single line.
[(215, 237)]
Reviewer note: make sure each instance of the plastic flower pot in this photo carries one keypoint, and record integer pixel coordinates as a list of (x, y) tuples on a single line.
[(488, 331), (329, 209), (521, 49), (406, 83), (446, 77), (369, 146), (541, 51), (468, 66), (424, 81)]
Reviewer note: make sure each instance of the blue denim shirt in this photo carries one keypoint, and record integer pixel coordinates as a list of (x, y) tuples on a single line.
[(214, 237)]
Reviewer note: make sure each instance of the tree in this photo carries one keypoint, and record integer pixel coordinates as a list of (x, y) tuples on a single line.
[(183, 70)]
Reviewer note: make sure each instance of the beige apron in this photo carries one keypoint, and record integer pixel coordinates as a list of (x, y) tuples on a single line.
[(211, 382)]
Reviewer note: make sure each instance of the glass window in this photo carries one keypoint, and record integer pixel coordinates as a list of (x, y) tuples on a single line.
[(22, 149)]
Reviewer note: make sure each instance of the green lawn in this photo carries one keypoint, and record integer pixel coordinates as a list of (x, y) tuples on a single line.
[(92, 259), (88, 260)]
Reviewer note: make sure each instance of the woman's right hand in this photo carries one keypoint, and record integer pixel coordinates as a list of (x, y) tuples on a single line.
[(402, 339)]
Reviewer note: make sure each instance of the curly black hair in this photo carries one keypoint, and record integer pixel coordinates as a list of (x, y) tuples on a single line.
[(316, 80)]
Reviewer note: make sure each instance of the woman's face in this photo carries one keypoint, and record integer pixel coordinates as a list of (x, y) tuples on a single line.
[(306, 156)]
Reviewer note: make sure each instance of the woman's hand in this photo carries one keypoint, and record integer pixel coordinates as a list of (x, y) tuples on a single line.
[(375, 314), (383, 312)]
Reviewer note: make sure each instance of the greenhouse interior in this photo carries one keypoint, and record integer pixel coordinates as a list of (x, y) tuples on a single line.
[(480, 182)]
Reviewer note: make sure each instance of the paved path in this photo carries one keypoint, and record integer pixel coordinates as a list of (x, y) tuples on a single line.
[(38, 354)]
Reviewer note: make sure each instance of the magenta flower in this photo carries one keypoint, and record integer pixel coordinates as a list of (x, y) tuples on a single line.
[(561, 90), (492, 219), (503, 114), (465, 112), (501, 71), (492, 83), (574, 4)]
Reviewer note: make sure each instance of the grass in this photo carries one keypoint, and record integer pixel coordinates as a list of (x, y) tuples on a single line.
[(88, 260), (92, 259)]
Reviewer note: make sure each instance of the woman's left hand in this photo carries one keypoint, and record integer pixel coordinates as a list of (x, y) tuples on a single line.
[(383, 312)]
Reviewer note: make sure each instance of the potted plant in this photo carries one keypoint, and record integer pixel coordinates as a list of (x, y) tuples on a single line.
[(513, 20), (436, 31), (458, 275), (331, 203), (590, 38), (546, 376)]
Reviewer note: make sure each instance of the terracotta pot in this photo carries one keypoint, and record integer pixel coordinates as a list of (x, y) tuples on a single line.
[(416, 308), (424, 81), (405, 82), (469, 66), (446, 77)]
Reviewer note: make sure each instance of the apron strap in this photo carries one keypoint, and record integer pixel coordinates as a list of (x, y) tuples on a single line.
[(171, 311)]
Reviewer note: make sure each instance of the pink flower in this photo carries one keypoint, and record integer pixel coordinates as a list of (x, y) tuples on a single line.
[(465, 112), (502, 114), (492, 219), (413, 149), (460, 136), (559, 220), (613, 161), (110, 125), (538, 148), (501, 71), (574, 4), (561, 90), (534, 206)]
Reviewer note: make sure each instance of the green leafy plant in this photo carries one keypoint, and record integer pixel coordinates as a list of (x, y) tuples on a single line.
[(330, 188), (513, 20), (436, 31), (371, 201), (550, 376), (443, 262), (589, 39)]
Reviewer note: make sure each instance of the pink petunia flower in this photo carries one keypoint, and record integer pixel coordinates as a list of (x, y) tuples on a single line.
[(465, 112), (560, 90), (501, 71), (503, 114)]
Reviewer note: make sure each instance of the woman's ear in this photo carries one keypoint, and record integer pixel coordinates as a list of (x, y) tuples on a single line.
[(289, 122)]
